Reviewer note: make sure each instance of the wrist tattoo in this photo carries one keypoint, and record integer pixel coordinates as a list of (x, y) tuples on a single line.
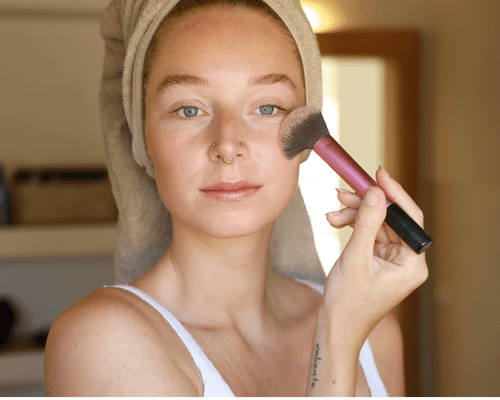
[(315, 369)]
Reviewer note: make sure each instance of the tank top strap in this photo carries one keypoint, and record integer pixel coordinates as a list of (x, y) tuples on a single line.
[(213, 383), (373, 379)]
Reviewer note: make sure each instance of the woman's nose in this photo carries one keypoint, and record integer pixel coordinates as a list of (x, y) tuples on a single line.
[(228, 141)]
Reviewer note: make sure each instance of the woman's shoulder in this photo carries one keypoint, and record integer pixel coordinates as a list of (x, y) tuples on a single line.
[(386, 342), (109, 343)]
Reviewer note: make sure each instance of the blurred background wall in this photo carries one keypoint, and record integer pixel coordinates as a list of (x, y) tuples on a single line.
[(459, 179), (459, 147), (50, 65)]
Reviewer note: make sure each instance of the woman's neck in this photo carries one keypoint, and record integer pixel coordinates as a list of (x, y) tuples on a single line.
[(227, 281)]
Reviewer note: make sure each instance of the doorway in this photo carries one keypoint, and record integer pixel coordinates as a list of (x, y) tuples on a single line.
[(353, 110), (371, 76)]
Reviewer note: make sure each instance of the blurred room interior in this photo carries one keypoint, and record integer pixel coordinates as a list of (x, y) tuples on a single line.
[(412, 85)]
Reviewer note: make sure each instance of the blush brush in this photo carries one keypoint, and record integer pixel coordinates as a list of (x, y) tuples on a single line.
[(305, 128)]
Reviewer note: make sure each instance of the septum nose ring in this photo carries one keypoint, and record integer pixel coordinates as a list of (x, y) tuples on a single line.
[(234, 157), (229, 162)]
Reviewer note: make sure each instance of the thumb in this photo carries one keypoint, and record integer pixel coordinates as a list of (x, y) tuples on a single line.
[(371, 215)]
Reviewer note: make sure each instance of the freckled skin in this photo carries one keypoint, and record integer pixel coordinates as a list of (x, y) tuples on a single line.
[(182, 151)]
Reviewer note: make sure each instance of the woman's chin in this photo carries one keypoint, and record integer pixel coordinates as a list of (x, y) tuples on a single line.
[(235, 230), (227, 226)]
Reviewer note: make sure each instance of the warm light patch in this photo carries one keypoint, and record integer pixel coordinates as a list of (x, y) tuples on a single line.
[(313, 15), (323, 16)]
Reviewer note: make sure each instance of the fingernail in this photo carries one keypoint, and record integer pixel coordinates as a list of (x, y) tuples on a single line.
[(384, 170), (332, 213), (371, 197), (342, 190)]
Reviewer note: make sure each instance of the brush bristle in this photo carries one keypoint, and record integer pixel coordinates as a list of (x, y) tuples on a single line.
[(301, 130)]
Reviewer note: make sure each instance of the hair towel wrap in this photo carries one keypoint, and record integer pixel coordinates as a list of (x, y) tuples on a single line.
[(144, 226)]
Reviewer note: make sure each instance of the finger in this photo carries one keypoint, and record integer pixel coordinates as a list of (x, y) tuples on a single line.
[(369, 220), (393, 236), (396, 192), (347, 217), (352, 200), (342, 218), (349, 199)]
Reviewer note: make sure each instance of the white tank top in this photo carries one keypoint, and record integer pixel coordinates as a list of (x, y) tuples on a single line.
[(213, 383)]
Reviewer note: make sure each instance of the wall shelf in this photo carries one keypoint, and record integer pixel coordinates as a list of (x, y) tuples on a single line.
[(24, 242)]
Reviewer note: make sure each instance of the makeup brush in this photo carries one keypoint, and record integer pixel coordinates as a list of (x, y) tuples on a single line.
[(305, 128)]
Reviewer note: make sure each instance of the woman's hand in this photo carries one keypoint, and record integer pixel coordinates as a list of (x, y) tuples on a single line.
[(376, 270), (374, 273)]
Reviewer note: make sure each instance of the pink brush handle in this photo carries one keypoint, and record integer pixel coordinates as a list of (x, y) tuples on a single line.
[(344, 165)]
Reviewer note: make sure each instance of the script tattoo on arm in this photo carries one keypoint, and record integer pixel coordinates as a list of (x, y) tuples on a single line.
[(315, 369)]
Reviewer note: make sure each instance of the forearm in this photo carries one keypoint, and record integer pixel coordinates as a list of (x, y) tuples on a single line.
[(334, 359)]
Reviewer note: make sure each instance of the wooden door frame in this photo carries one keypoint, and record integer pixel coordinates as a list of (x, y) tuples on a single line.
[(400, 51)]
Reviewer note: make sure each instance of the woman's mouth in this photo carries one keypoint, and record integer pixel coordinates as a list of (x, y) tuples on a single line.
[(231, 192)]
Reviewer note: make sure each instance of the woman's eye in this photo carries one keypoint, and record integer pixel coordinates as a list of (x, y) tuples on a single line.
[(267, 110), (189, 111)]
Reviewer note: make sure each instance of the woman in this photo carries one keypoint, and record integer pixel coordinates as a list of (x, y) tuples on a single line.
[(217, 83)]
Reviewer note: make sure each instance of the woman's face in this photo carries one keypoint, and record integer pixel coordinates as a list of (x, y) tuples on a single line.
[(226, 77)]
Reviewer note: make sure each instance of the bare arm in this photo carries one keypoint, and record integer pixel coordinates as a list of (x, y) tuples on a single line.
[(386, 341), (332, 370), (374, 273), (103, 347)]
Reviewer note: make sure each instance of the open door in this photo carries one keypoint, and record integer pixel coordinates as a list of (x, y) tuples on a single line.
[(399, 50)]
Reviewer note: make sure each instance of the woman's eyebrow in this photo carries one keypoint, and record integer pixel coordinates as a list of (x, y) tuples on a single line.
[(271, 79), (268, 79), (172, 80)]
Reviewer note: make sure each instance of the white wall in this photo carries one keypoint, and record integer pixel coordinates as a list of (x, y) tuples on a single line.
[(56, 5), (50, 73)]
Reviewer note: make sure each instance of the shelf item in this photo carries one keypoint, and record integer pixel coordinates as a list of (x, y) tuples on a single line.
[(75, 195), (5, 207)]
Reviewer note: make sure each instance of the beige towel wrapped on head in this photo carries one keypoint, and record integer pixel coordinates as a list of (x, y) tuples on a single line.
[(144, 226)]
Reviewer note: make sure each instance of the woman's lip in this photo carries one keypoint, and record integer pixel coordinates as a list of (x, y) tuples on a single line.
[(231, 192), (229, 187)]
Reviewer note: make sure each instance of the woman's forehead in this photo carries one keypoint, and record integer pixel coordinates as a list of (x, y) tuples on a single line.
[(211, 11), (228, 37), (223, 19)]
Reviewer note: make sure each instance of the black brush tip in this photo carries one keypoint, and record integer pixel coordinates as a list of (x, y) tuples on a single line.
[(301, 130)]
